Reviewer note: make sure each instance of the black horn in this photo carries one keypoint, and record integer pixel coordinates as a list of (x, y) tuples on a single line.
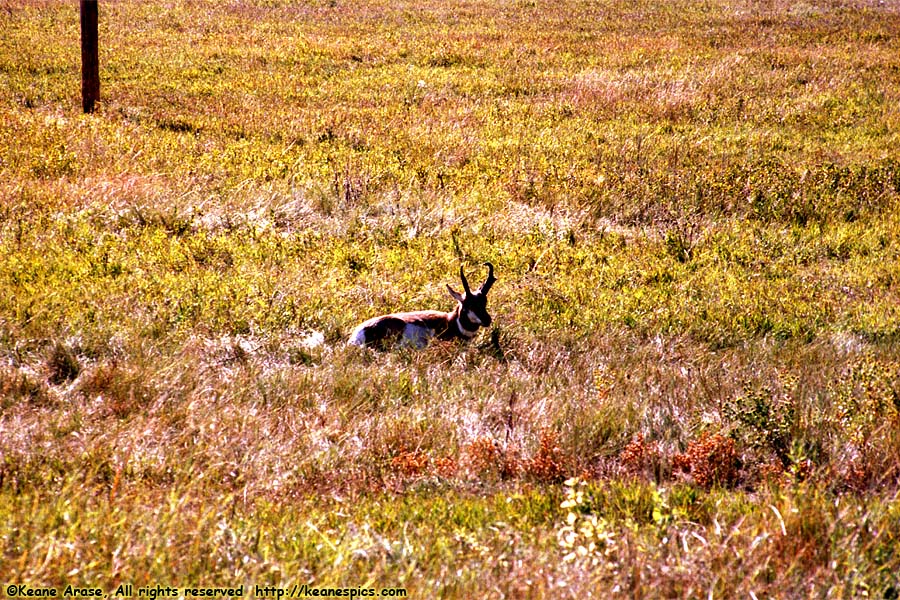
[(464, 282), (486, 286)]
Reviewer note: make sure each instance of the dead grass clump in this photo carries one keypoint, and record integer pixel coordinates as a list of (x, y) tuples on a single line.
[(548, 465), (415, 463), (17, 385), (486, 457), (124, 391), (857, 475), (710, 460), (642, 458), (445, 467), (410, 463), (873, 463)]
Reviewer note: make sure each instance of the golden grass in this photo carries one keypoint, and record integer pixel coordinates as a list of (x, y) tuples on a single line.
[(692, 208)]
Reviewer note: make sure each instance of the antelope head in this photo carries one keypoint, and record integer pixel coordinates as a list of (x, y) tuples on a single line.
[(473, 305)]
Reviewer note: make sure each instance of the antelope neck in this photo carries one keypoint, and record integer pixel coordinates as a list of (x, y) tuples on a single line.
[(466, 328)]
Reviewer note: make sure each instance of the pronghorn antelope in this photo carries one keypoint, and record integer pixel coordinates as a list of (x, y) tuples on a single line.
[(416, 328)]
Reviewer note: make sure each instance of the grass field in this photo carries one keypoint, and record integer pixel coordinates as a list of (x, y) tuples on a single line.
[(692, 384)]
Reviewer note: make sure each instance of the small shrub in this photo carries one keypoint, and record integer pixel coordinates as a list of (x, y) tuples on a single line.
[(711, 460), (445, 467), (640, 457), (487, 457), (585, 538), (410, 463), (764, 419), (547, 464), (867, 399)]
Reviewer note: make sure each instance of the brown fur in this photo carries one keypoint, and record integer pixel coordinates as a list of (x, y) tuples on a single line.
[(389, 328), (460, 323)]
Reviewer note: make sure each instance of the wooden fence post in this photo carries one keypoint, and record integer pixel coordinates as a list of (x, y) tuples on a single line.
[(90, 60)]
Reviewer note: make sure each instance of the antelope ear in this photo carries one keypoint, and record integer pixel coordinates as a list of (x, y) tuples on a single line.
[(456, 295)]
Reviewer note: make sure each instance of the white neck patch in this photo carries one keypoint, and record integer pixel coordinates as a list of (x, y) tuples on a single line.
[(466, 333)]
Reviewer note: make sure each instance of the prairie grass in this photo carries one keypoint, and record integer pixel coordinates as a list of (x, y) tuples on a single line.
[(692, 384)]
